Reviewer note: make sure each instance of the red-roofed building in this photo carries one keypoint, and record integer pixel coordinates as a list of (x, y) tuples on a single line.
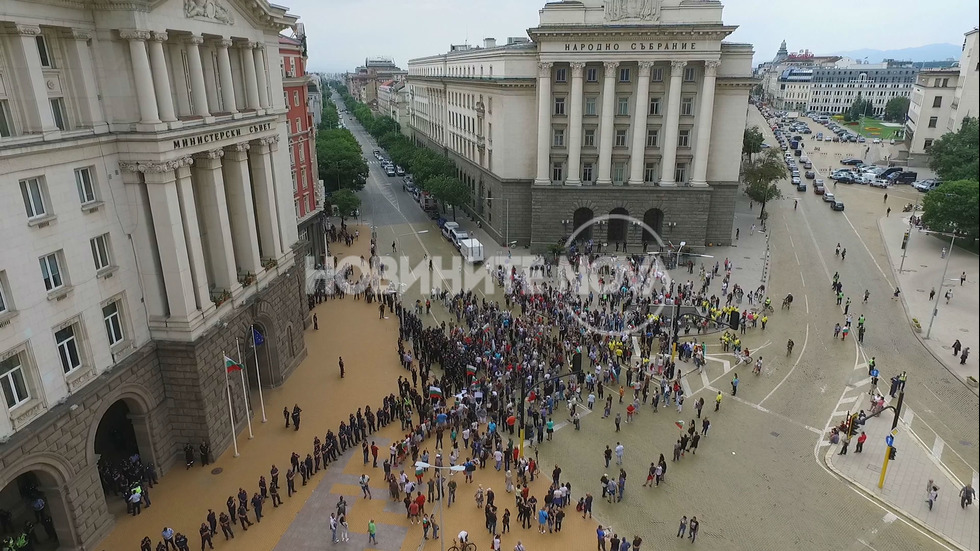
[(308, 195)]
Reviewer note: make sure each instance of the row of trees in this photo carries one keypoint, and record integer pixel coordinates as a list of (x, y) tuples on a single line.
[(432, 172), (954, 207), (895, 109)]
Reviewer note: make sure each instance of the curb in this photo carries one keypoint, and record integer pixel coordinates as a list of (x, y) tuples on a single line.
[(905, 515), (908, 317)]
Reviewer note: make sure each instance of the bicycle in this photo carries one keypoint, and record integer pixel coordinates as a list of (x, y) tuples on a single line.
[(466, 546)]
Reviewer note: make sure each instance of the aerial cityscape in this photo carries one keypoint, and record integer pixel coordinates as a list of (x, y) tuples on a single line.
[(611, 274)]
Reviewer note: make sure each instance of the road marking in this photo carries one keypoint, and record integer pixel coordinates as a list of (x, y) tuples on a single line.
[(797, 258), (686, 387), (889, 518), (863, 382), (806, 337), (931, 392), (848, 400), (860, 366), (865, 245), (866, 544), (840, 413), (937, 447), (770, 412), (806, 302), (803, 280)]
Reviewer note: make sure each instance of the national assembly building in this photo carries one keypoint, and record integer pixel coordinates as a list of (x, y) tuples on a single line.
[(629, 108)]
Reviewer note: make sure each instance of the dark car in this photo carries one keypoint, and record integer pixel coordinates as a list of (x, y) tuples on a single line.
[(818, 190), (850, 161), (837, 205), (809, 175), (801, 186), (904, 177)]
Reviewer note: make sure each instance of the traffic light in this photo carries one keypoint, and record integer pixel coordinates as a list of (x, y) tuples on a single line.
[(905, 240), (852, 427), (892, 453)]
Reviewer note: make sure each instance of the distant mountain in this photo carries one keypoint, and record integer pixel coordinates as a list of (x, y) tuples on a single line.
[(929, 52)]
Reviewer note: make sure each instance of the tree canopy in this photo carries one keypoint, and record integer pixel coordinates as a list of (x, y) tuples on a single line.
[(955, 155), (760, 176), (953, 207), (346, 201), (752, 140), (857, 109), (896, 109), (340, 161), (449, 191), (329, 118)]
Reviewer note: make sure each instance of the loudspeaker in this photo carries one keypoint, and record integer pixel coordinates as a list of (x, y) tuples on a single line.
[(734, 319)]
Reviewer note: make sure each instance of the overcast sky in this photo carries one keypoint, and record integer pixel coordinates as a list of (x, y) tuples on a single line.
[(343, 32)]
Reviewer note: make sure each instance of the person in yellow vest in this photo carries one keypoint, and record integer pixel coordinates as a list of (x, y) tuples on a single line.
[(765, 319)]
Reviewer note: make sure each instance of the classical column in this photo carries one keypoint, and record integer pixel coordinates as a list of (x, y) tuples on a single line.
[(83, 74), (267, 220), (705, 112), (192, 235), (241, 212), (668, 160), (640, 106), (214, 213), (168, 228), (145, 94), (541, 175), (26, 61), (199, 94), (161, 78), (606, 122), (251, 84), (575, 128), (261, 75), (228, 104)]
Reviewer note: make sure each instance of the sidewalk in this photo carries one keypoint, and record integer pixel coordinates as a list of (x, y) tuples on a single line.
[(921, 273), (905, 482)]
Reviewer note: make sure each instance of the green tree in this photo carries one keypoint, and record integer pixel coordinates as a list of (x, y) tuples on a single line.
[(449, 191), (383, 125), (896, 109), (760, 176), (346, 201), (955, 155), (340, 161), (329, 118), (857, 109), (752, 140), (953, 207)]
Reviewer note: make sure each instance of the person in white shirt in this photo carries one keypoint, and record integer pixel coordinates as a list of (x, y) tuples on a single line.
[(463, 536)]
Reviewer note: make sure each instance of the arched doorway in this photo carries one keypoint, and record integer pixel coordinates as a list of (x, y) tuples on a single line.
[(123, 451), (255, 350), (617, 225), (581, 222), (35, 496), (653, 219)]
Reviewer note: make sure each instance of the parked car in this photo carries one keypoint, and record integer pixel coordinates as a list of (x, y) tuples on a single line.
[(881, 183), (876, 140), (795, 180), (801, 186), (829, 198), (837, 205), (904, 177), (925, 186), (809, 174), (819, 190), (818, 182), (399, 171), (850, 161), (889, 171)]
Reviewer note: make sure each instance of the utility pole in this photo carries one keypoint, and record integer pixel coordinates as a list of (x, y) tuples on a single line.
[(891, 452)]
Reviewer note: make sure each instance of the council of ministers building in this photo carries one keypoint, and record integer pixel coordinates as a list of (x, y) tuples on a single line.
[(148, 224), (633, 108)]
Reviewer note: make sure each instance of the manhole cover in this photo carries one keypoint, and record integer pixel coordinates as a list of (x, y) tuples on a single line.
[(747, 257), (217, 470), (923, 265), (920, 290), (738, 267), (776, 434)]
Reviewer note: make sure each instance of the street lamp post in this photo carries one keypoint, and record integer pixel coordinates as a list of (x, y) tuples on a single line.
[(935, 306), (453, 468)]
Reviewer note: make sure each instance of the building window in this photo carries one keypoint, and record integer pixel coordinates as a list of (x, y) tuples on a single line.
[(588, 138), (933, 121), (100, 251), (559, 106), (654, 106), (302, 152), (32, 190), (680, 172), (559, 137), (6, 128), (623, 106), (590, 106), (51, 272), (684, 138), (687, 106), (649, 172), (587, 172), (927, 143), (4, 303), (690, 74), (113, 322), (556, 172), (620, 137), (619, 172), (68, 349), (653, 137), (624, 74), (560, 75), (86, 187), (657, 74), (296, 201), (591, 74), (13, 381), (60, 115), (45, 54), (296, 98)]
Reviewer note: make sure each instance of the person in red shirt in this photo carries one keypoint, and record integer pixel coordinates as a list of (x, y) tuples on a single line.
[(420, 501), (861, 440)]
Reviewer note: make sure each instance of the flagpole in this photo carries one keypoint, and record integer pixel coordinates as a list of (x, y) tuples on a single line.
[(258, 375), (248, 411), (231, 415)]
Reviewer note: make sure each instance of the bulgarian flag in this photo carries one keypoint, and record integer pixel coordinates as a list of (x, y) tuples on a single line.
[(435, 393), (471, 370), (231, 365)]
